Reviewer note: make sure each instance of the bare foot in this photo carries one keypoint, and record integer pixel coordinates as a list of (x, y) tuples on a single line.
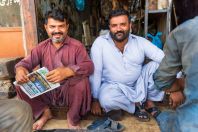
[(70, 126), (38, 125)]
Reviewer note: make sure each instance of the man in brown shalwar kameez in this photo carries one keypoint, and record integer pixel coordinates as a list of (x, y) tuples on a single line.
[(68, 63)]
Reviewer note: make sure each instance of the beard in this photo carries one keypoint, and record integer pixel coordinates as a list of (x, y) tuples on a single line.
[(57, 40), (120, 35)]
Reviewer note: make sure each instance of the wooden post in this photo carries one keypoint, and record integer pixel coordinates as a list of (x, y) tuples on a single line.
[(29, 27), (146, 19)]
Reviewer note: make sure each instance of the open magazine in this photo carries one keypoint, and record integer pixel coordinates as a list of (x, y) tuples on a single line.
[(38, 83)]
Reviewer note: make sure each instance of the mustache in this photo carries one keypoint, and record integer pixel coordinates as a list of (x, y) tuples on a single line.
[(54, 33), (119, 32)]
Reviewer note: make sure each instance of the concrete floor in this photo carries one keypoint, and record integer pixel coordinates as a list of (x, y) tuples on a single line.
[(130, 122)]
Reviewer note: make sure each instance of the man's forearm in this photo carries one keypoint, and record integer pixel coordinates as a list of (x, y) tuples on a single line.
[(177, 86), (69, 72), (19, 68)]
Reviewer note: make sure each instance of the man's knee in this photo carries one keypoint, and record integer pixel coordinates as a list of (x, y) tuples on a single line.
[(107, 102), (81, 86), (154, 65)]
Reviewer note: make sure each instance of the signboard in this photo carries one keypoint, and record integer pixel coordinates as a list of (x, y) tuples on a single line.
[(10, 13)]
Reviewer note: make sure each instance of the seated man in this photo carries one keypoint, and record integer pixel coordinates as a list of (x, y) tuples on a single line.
[(120, 81), (16, 116), (68, 63)]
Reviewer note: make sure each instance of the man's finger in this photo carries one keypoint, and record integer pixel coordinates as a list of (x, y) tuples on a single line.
[(51, 77), (26, 78), (170, 101), (50, 73), (173, 105)]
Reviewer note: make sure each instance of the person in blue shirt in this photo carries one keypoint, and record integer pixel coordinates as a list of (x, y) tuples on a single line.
[(181, 53)]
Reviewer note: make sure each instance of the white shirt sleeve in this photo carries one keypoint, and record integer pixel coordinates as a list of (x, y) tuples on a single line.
[(96, 77), (151, 51)]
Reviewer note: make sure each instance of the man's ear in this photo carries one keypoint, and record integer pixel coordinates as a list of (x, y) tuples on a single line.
[(67, 26), (131, 24), (45, 26)]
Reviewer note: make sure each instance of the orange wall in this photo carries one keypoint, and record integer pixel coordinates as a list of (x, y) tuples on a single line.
[(11, 43)]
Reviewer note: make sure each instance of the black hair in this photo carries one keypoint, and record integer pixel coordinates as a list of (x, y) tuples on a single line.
[(185, 9), (118, 12), (56, 14)]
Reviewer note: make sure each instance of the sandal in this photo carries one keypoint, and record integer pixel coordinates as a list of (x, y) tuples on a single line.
[(96, 123), (154, 111), (141, 114), (115, 115), (107, 125)]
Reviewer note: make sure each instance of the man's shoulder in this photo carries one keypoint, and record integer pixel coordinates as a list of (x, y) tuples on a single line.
[(102, 38), (41, 45), (100, 41), (133, 36), (44, 43), (139, 39), (188, 25), (74, 42)]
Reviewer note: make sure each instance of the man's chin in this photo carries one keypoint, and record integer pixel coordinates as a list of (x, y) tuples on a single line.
[(57, 40), (120, 39)]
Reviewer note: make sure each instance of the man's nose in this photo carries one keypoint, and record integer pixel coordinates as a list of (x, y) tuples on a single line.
[(57, 29), (119, 28)]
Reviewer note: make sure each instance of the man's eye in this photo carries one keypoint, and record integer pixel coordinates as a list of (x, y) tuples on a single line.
[(113, 25), (123, 24), (62, 26)]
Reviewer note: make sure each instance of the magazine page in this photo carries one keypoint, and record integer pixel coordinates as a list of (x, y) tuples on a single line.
[(37, 83)]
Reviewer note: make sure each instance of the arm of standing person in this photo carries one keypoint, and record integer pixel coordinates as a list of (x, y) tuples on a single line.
[(176, 96), (165, 75)]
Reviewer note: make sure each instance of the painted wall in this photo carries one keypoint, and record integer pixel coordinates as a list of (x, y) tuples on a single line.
[(11, 44)]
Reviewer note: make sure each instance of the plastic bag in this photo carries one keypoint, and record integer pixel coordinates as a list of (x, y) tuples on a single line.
[(80, 4), (156, 39)]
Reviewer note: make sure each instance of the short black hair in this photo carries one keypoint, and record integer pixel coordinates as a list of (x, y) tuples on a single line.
[(186, 9), (118, 12), (56, 14)]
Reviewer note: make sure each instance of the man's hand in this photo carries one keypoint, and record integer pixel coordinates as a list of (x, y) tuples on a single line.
[(176, 99), (96, 108), (59, 74), (21, 75)]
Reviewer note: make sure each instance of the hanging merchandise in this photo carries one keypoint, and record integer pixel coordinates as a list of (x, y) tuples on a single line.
[(80, 4), (162, 4), (156, 39)]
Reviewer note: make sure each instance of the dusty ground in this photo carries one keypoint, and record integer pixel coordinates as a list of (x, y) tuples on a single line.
[(130, 122)]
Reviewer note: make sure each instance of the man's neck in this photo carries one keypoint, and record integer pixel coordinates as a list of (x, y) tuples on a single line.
[(121, 45), (57, 45)]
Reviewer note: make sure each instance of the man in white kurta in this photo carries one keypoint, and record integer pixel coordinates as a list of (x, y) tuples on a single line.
[(120, 78)]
